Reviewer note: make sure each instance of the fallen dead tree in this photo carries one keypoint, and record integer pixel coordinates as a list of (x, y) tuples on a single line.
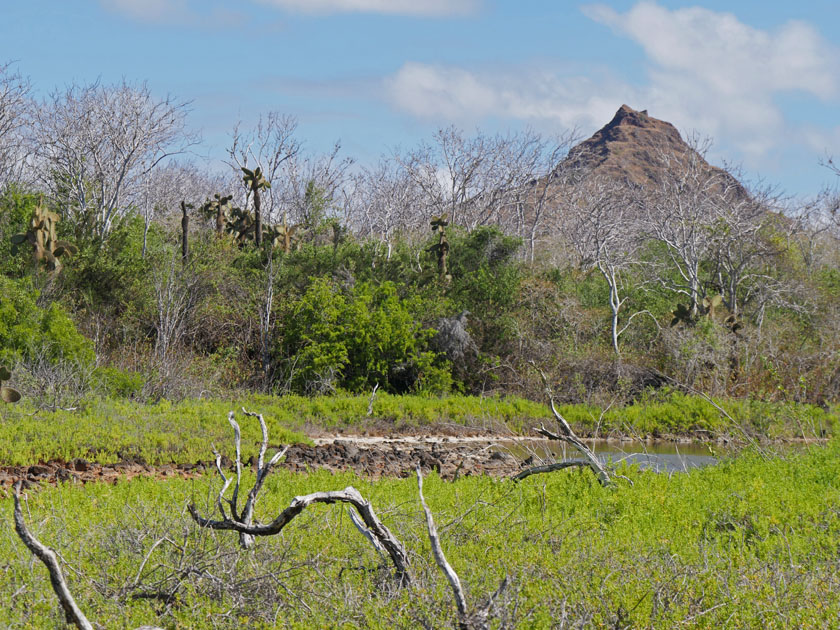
[(73, 614), (567, 435), (480, 617), (364, 519)]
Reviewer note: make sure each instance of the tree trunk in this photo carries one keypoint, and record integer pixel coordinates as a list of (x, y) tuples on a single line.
[(257, 219), (185, 228)]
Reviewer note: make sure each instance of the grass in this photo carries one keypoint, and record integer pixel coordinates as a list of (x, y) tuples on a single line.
[(107, 430), (749, 543)]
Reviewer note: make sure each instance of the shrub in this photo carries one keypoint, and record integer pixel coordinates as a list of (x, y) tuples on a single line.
[(355, 339), (27, 330)]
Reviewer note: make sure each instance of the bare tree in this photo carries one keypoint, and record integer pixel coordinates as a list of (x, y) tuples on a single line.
[(536, 201), (602, 227), (743, 246), (162, 189), (479, 618), (268, 146), (311, 186), (242, 520), (267, 320), (565, 434), (14, 101), (72, 612), (384, 203), (175, 292), (97, 143), (679, 214)]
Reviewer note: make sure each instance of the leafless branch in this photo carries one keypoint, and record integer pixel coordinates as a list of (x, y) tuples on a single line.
[(242, 522), (46, 555), (546, 468), (568, 435), (98, 143), (478, 620)]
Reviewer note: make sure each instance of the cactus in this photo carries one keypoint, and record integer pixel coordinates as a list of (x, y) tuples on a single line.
[(256, 181), (710, 304), (240, 224), (707, 308), (283, 236), (185, 231), (441, 248), (7, 394), (218, 208), (733, 323), (46, 248), (681, 314)]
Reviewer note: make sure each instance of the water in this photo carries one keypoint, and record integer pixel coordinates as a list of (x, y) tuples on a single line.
[(658, 456)]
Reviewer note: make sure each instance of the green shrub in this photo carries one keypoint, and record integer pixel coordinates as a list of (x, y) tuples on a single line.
[(27, 329), (355, 339), (118, 383)]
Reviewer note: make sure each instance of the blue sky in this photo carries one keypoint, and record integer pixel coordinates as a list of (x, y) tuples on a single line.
[(762, 78)]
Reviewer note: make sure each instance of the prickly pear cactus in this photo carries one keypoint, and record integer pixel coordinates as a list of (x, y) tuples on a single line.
[(710, 303), (240, 224), (7, 394), (42, 237), (441, 248), (681, 314), (283, 236)]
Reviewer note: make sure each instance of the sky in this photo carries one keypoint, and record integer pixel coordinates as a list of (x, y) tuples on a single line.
[(761, 78)]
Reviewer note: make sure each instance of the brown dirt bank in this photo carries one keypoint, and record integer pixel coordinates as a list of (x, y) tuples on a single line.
[(459, 453), (375, 460)]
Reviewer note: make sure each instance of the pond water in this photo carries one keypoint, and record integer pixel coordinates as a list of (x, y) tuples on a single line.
[(658, 456)]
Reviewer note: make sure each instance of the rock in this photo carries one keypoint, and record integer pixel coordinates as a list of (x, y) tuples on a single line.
[(62, 474), (38, 471)]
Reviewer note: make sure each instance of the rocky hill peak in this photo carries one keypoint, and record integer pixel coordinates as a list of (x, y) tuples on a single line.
[(636, 148)]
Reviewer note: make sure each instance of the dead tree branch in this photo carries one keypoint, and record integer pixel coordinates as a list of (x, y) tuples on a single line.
[(72, 612), (46, 555), (369, 524), (546, 468), (567, 435), (466, 621)]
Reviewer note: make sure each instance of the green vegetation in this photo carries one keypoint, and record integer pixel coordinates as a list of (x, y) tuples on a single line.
[(749, 543), (27, 329), (110, 430)]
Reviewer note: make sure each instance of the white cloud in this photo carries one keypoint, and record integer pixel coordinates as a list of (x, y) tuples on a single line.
[(148, 10), (707, 71), (392, 7), (713, 72), (726, 55), (458, 95)]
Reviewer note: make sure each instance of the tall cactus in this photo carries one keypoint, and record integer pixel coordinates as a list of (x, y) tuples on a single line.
[(185, 231), (42, 236), (441, 248), (218, 208), (7, 394), (256, 181)]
